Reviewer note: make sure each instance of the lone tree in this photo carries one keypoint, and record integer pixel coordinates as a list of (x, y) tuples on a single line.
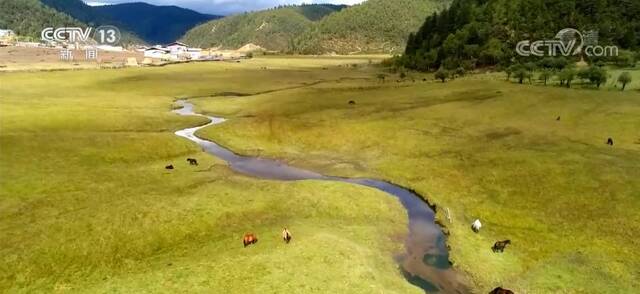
[(595, 75), (624, 79), (566, 76), (442, 75), (545, 75), (519, 72), (522, 74)]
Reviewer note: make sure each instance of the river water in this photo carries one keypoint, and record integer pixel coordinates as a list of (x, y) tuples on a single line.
[(425, 263)]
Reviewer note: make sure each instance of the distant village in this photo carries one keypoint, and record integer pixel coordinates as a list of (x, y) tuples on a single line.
[(135, 55)]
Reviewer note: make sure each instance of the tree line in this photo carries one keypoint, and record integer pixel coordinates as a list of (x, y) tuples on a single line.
[(481, 33)]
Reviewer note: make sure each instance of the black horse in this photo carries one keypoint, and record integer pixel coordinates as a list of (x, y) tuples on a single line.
[(500, 245), (192, 161)]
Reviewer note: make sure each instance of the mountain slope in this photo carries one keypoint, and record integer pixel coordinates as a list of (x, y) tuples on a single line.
[(154, 24), (29, 17), (373, 26), (274, 29)]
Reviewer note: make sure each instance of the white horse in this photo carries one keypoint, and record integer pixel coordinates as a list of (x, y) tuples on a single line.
[(476, 225)]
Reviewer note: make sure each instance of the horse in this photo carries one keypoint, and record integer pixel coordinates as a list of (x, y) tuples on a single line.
[(501, 290), (500, 245), (286, 235), (192, 161), (352, 102), (610, 142), (249, 238), (476, 225), (169, 167)]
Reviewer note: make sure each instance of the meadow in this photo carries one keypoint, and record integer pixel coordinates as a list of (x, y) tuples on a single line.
[(531, 162), (87, 206)]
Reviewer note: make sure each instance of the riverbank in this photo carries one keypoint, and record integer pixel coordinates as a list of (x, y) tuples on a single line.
[(481, 148)]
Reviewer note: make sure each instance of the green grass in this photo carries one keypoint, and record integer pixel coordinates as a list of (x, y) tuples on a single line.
[(88, 207), (483, 148)]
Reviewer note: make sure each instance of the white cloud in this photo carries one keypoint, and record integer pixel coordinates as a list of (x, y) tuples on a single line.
[(225, 7)]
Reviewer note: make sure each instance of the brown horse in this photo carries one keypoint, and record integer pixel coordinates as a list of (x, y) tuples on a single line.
[(249, 238), (500, 245), (501, 290)]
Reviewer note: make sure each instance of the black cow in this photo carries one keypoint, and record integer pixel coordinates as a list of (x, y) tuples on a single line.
[(610, 142), (192, 161), (352, 102), (169, 167)]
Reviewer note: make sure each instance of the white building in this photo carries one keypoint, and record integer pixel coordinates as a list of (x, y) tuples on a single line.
[(177, 48), (6, 33), (194, 53), (155, 52), (175, 51)]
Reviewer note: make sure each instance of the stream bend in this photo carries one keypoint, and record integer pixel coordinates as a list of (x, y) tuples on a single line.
[(426, 260)]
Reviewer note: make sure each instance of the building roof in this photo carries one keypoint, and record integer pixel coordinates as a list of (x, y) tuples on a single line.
[(177, 44), (156, 49)]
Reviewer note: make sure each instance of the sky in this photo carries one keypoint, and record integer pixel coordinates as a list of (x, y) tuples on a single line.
[(224, 7)]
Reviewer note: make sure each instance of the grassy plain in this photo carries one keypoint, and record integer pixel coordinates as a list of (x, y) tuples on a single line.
[(483, 148), (86, 205)]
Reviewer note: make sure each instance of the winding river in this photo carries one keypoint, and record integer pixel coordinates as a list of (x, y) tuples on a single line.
[(426, 260)]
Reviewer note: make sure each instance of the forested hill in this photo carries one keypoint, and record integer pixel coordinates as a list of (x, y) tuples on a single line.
[(153, 24), (373, 26), (485, 32), (29, 17), (274, 29)]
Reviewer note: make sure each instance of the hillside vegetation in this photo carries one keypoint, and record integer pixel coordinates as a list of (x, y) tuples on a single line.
[(274, 29), (485, 32), (29, 17), (373, 26)]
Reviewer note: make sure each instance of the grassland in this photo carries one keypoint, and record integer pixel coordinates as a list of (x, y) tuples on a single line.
[(482, 148), (87, 207)]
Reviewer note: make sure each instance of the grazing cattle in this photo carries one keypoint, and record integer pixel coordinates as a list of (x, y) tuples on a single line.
[(286, 235), (169, 167), (476, 225), (558, 119), (501, 290), (610, 142), (192, 161), (352, 102), (249, 238), (500, 245)]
